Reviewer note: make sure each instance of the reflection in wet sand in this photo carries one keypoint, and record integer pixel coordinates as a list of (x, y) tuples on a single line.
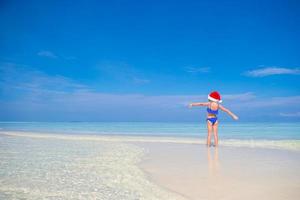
[(213, 160)]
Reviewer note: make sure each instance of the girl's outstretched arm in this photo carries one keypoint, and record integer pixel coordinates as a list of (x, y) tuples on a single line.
[(228, 112), (198, 104)]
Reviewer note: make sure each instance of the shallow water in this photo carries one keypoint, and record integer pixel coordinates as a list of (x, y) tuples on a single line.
[(52, 168), (292, 145)]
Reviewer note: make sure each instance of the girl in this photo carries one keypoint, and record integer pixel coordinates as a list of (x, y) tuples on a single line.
[(213, 106)]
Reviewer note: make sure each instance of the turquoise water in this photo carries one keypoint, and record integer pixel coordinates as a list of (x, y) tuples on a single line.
[(247, 131)]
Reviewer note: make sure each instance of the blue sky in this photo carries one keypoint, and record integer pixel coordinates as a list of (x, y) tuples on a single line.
[(145, 60)]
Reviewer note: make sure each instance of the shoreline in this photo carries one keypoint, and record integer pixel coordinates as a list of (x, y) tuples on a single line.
[(291, 145)]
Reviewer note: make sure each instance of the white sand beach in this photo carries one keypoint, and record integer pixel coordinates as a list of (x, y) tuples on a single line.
[(49, 166)]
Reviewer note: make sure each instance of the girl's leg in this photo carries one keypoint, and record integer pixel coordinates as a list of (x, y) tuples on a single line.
[(215, 129), (209, 130)]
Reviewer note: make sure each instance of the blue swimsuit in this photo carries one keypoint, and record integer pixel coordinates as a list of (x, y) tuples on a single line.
[(214, 112)]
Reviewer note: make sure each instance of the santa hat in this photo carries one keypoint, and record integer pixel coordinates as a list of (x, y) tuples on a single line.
[(215, 96)]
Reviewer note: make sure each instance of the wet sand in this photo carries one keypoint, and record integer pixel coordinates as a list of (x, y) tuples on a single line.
[(197, 172)]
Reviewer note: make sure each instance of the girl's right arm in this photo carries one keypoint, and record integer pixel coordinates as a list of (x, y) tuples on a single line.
[(198, 104)]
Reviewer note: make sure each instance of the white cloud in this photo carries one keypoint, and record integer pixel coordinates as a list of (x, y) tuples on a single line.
[(21, 77), (47, 54), (198, 69), (248, 96), (277, 101), (261, 103), (34, 84), (121, 71), (268, 71), (30, 90), (297, 114)]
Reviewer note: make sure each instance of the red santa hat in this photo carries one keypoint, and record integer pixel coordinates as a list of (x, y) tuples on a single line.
[(215, 96)]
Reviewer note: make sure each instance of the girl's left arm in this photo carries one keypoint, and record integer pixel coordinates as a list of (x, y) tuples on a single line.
[(229, 112)]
